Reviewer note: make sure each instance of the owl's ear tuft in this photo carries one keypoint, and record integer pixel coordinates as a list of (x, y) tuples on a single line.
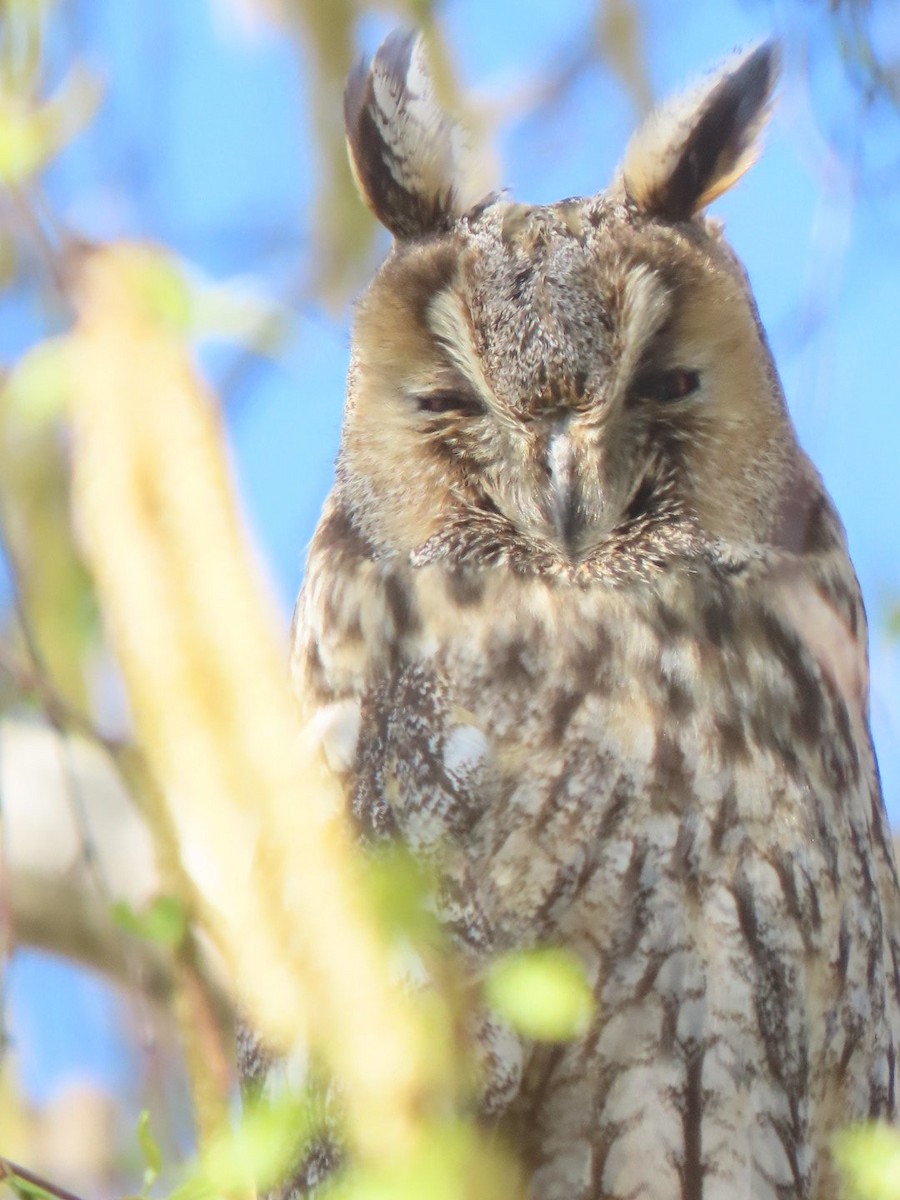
[(696, 146), (404, 150)]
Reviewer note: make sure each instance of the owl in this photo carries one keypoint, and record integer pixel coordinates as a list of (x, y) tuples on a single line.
[(582, 633)]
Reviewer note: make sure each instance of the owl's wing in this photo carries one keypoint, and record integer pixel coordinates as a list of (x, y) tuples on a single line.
[(366, 669), (417, 765)]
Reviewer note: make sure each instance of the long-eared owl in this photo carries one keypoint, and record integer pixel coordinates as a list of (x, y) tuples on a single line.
[(582, 630)]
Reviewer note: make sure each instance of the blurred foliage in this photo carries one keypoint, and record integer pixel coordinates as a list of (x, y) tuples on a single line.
[(54, 589), (256, 1152), (163, 921), (541, 993), (869, 1159), (150, 1152), (860, 37), (54, 625), (281, 893), (874, 69), (32, 133), (325, 35)]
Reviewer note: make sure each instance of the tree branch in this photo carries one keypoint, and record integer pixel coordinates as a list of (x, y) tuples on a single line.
[(13, 1173)]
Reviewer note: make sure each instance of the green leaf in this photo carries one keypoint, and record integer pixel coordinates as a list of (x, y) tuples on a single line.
[(23, 148), (234, 312), (255, 1153), (541, 993), (400, 889), (25, 1189), (37, 389), (31, 134), (149, 1149), (164, 291), (261, 1148), (197, 1187), (451, 1162), (163, 921), (869, 1159)]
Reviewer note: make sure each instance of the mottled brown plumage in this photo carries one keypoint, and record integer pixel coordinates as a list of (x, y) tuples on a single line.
[(583, 632)]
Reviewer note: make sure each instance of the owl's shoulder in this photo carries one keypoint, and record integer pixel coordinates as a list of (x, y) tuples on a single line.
[(368, 611)]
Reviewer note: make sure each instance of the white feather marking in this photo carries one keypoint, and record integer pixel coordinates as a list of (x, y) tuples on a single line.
[(561, 465), (465, 749), (646, 305), (449, 323), (335, 727), (426, 146), (408, 968)]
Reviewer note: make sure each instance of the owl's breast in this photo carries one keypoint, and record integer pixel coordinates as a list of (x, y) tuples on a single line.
[(671, 780), (541, 732)]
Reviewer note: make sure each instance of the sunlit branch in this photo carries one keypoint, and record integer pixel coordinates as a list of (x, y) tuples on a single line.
[(195, 639)]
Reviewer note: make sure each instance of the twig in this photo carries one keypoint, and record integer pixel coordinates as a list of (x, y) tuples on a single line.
[(58, 713), (62, 715), (52, 256), (198, 1008), (12, 1171), (51, 710), (59, 916), (6, 935)]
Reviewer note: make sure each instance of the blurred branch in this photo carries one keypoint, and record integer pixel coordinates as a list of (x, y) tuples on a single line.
[(31, 681), (343, 229), (207, 1056), (60, 916), (619, 26), (270, 339), (613, 37), (50, 895), (26, 1183), (259, 815), (859, 35), (872, 73), (56, 710), (203, 1034), (23, 215)]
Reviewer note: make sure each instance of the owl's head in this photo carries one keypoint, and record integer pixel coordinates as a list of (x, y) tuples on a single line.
[(584, 384)]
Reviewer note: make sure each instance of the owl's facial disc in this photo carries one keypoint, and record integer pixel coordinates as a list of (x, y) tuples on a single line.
[(539, 450)]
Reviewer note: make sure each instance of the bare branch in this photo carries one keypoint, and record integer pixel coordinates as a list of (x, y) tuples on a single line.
[(29, 682), (195, 1002), (12, 1172)]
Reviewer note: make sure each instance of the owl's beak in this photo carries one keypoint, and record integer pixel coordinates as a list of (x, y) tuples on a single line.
[(561, 469)]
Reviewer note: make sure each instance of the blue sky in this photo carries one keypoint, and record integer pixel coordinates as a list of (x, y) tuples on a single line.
[(202, 138)]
